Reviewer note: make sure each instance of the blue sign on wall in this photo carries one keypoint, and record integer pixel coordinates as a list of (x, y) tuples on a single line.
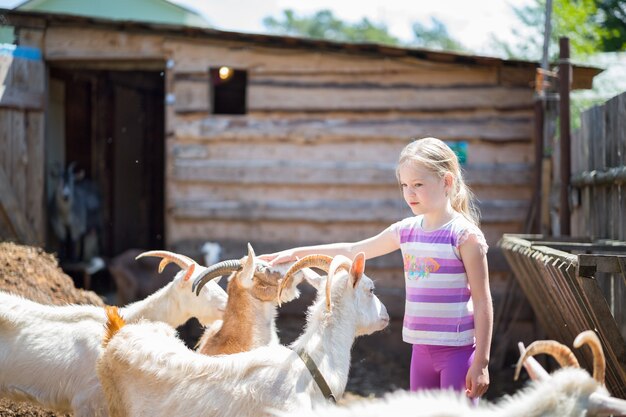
[(24, 52), (460, 149)]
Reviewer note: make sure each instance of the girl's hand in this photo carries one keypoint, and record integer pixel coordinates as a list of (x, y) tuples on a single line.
[(477, 380), (278, 257)]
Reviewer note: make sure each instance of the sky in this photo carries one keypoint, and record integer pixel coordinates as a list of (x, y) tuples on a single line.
[(470, 22)]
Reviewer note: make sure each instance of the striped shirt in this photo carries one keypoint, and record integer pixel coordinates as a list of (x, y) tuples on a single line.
[(439, 308)]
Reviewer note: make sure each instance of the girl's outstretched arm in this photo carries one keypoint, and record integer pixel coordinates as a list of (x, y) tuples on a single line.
[(475, 261), (381, 244)]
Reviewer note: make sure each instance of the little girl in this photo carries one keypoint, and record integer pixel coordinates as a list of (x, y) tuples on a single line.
[(448, 315)]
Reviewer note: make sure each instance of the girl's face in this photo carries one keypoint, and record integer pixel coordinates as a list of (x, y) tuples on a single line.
[(422, 190)]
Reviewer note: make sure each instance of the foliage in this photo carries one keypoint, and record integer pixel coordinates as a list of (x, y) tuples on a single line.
[(613, 19), (591, 25), (436, 37), (324, 25)]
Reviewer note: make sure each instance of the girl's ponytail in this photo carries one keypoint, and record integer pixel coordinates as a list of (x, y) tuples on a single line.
[(463, 200)]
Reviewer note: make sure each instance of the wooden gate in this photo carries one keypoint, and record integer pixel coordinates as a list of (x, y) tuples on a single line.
[(562, 282), (22, 87)]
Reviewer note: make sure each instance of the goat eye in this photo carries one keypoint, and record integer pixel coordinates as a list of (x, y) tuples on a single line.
[(371, 290)]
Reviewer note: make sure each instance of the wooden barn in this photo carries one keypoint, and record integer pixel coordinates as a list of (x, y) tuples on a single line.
[(196, 135)]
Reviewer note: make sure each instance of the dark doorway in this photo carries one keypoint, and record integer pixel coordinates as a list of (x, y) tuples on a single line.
[(114, 129)]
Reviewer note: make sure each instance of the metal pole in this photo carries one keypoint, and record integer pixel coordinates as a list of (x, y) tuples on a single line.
[(536, 212), (546, 34), (540, 125), (565, 142)]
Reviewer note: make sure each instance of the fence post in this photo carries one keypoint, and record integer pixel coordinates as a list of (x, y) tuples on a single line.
[(565, 68)]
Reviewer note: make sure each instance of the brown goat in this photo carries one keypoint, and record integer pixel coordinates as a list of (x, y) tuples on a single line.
[(249, 318)]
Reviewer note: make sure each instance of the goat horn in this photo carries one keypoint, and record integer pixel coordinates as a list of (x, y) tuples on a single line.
[(215, 270), (182, 261), (591, 339), (560, 352), (534, 369), (338, 262), (310, 261)]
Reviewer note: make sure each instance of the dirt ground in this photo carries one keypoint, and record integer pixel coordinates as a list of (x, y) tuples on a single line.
[(379, 362)]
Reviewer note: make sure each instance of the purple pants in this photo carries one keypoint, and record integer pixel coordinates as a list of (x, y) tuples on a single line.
[(434, 367)]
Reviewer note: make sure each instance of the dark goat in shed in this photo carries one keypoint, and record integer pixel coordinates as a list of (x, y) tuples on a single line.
[(75, 216)]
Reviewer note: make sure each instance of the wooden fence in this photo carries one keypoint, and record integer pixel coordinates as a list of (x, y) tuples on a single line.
[(21, 144), (562, 280), (599, 172)]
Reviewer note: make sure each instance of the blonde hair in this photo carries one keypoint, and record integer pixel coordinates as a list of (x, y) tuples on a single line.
[(434, 155)]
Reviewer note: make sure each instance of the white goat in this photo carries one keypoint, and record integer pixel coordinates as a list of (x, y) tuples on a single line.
[(250, 316), (568, 392), (48, 353), (146, 371)]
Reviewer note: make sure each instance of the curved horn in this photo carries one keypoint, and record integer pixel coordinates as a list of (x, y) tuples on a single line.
[(182, 261), (215, 270), (338, 262), (534, 369), (591, 339), (560, 352), (310, 261)]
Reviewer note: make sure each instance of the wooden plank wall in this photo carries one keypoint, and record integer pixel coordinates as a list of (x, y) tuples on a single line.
[(599, 208), (21, 145), (314, 159), (600, 146)]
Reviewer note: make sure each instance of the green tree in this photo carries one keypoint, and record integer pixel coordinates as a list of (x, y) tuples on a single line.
[(324, 25), (591, 25), (594, 27), (435, 37), (613, 19)]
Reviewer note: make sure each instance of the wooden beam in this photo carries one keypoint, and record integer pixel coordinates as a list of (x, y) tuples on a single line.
[(325, 211), (588, 265), (17, 225), (311, 96), (335, 128), (329, 172), (82, 43)]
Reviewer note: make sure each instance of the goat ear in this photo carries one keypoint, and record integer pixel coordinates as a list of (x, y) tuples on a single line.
[(247, 274), (357, 268), (312, 277)]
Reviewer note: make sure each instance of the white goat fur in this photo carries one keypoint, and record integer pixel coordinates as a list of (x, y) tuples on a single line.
[(566, 394), (48, 353), (146, 371)]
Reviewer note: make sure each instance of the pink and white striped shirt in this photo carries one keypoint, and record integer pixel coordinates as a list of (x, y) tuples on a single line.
[(439, 309)]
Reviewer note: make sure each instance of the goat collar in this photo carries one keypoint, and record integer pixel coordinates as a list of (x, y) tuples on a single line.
[(317, 376)]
